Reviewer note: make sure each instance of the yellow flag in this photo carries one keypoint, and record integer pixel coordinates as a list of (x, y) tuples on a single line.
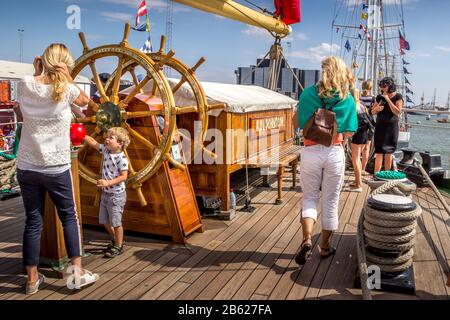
[(147, 24), (364, 15)]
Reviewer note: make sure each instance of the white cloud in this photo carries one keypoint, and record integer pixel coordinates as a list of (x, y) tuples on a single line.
[(317, 54), (117, 16), (256, 32), (443, 48), (419, 54), (301, 36)]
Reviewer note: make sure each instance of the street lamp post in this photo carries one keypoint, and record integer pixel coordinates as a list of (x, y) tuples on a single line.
[(21, 31)]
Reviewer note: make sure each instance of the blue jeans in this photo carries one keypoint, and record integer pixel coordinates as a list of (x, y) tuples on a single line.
[(34, 186)]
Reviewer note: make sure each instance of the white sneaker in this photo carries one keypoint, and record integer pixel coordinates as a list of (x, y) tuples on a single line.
[(359, 190), (78, 282)]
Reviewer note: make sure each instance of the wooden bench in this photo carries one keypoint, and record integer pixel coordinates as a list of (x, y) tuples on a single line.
[(281, 156)]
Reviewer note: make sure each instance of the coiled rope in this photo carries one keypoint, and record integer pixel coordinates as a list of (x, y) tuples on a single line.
[(390, 232)]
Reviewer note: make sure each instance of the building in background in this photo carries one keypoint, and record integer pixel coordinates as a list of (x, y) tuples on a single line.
[(13, 72), (287, 84)]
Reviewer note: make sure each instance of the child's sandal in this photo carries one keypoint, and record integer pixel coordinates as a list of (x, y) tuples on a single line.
[(114, 252)]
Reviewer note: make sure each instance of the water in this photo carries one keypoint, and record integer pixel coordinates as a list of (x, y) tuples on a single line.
[(435, 140)]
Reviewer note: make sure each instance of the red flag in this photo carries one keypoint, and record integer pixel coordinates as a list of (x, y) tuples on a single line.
[(288, 10), (142, 11), (404, 45)]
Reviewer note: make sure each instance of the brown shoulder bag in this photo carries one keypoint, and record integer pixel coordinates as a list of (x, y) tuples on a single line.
[(321, 127)]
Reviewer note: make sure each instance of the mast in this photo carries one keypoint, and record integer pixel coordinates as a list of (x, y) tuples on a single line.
[(386, 57), (235, 11), (434, 99), (376, 36), (448, 101)]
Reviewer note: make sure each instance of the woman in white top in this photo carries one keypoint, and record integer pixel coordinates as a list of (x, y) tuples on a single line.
[(45, 101)]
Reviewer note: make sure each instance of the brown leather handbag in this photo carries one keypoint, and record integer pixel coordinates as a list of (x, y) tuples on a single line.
[(322, 126)]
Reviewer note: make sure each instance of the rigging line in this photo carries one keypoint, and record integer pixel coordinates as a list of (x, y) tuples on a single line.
[(293, 73), (332, 27), (403, 16), (256, 67), (260, 8)]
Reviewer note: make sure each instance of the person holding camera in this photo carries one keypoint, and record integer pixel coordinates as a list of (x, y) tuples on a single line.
[(388, 107)]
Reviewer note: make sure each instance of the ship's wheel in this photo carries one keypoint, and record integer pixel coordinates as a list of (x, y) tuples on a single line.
[(185, 77), (110, 110)]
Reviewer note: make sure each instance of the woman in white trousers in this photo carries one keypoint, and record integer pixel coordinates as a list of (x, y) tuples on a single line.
[(322, 168)]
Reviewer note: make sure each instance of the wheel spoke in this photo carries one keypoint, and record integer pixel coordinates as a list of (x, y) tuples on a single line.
[(92, 119), (138, 137), (114, 98), (94, 106), (141, 114), (179, 84), (133, 75), (154, 89), (187, 109), (124, 103), (84, 149), (98, 83)]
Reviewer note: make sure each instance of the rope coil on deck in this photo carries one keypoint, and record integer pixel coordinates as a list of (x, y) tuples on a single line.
[(385, 238)]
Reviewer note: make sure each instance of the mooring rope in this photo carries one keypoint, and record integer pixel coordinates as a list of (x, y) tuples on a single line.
[(391, 232), (7, 172)]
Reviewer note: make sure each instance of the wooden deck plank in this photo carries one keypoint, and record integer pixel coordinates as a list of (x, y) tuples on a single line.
[(137, 280), (259, 297), (173, 293), (249, 258), (304, 277), (272, 276), (254, 222), (252, 257), (429, 282), (344, 240), (264, 258), (309, 279), (127, 270), (247, 243), (269, 263), (344, 264), (205, 256), (436, 239)]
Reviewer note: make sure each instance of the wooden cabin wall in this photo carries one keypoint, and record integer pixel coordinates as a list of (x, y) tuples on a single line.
[(214, 179)]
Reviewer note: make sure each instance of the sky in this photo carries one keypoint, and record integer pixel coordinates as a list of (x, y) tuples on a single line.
[(224, 43)]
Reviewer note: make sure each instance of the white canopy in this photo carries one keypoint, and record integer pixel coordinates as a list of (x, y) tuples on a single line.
[(237, 98)]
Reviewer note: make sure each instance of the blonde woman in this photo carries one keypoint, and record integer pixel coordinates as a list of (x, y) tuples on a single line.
[(44, 158), (322, 167), (368, 100)]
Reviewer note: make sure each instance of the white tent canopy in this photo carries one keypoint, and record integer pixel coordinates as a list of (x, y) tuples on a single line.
[(237, 98)]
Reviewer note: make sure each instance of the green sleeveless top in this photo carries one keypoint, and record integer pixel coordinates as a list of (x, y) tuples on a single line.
[(346, 116)]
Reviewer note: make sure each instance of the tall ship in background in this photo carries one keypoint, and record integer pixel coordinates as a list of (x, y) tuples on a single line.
[(371, 39)]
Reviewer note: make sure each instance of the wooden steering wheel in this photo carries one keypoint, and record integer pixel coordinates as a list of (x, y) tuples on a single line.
[(185, 75), (113, 111)]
